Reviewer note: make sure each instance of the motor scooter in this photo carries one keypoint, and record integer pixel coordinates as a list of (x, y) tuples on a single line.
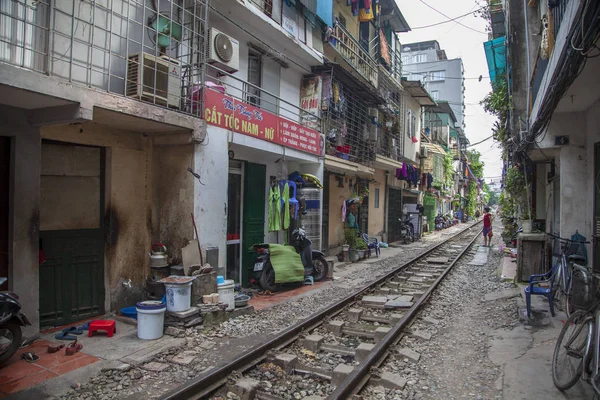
[(407, 231), (11, 322), (314, 262)]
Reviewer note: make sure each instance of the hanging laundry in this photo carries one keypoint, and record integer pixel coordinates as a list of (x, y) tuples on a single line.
[(354, 7), (271, 214), (365, 12), (344, 211), (429, 180), (286, 205), (276, 206)]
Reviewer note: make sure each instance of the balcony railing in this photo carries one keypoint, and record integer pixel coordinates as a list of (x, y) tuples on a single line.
[(558, 13), (352, 51), (124, 47)]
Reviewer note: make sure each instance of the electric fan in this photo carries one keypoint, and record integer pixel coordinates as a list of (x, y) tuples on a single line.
[(165, 31)]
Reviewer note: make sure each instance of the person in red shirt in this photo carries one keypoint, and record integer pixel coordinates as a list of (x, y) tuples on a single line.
[(487, 227)]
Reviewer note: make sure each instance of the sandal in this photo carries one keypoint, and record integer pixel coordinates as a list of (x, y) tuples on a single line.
[(30, 357), (73, 348), (64, 336), (53, 348)]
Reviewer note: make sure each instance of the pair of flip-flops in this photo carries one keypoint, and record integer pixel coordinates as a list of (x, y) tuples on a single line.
[(67, 333), (30, 357)]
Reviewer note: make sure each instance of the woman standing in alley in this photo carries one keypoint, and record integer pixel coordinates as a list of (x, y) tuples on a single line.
[(487, 227)]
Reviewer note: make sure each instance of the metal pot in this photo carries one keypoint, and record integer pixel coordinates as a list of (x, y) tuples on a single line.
[(158, 257)]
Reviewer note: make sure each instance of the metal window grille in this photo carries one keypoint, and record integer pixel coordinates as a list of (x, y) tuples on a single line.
[(254, 79)]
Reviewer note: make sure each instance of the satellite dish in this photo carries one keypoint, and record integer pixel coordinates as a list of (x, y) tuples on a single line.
[(165, 31)]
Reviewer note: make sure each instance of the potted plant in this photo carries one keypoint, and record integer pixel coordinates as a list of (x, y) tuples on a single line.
[(361, 247)]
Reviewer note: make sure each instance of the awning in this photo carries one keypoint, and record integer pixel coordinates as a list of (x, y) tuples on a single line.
[(495, 54), (435, 148), (418, 92), (342, 166)]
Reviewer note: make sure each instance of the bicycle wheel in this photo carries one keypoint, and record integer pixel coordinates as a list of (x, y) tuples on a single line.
[(567, 361)]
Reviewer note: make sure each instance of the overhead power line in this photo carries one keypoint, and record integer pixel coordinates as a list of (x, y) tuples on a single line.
[(454, 19), (449, 20)]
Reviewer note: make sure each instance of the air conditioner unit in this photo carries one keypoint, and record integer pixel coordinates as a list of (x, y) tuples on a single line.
[(154, 79), (223, 51), (424, 152)]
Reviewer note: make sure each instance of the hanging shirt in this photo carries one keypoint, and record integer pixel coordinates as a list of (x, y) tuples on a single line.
[(365, 13), (271, 222), (286, 206)]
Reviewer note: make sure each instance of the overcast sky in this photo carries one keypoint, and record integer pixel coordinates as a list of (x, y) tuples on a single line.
[(460, 42)]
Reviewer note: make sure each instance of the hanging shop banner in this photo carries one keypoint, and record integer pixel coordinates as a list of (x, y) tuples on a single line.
[(310, 97), (226, 112)]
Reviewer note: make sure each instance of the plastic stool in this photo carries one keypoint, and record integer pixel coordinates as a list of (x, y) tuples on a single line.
[(107, 325)]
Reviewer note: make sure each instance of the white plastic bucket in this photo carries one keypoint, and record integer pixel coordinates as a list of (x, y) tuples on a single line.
[(179, 296), (226, 294), (150, 319)]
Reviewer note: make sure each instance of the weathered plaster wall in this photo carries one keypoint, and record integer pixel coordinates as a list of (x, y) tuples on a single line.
[(377, 215), (173, 197), (337, 195), (128, 216), (24, 203)]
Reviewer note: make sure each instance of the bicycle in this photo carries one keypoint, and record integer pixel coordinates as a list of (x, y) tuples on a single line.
[(563, 281), (579, 341)]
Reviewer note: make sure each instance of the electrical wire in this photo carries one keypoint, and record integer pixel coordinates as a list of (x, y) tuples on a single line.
[(486, 139), (445, 22), (454, 19)]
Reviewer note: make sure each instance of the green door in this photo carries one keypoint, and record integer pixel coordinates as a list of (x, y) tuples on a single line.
[(253, 231), (71, 233)]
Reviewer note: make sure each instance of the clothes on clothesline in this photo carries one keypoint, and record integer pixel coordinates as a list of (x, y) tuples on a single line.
[(427, 179), (408, 173), (279, 206)]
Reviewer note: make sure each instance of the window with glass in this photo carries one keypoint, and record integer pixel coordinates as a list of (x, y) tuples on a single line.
[(435, 94), (419, 58), (254, 78), (437, 75)]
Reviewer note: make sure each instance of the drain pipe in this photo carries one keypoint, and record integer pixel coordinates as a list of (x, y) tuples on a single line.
[(527, 190)]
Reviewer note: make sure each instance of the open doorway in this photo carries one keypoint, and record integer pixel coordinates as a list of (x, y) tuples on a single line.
[(234, 220)]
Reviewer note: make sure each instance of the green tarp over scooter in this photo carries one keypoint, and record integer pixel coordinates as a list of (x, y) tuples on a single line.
[(286, 263)]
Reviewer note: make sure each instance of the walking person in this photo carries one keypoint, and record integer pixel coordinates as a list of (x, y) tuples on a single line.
[(487, 228)]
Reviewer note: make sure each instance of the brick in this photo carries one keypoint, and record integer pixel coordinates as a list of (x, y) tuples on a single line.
[(380, 333), (354, 314), (420, 335), (408, 353), (340, 373), (183, 359), (246, 388), (155, 366), (287, 362), (335, 327), (363, 350), (313, 343), (392, 381)]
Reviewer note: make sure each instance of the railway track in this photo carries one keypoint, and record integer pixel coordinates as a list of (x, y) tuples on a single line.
[(340, 348)]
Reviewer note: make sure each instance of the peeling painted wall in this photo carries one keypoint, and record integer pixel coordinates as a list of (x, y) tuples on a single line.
[(24, 203)]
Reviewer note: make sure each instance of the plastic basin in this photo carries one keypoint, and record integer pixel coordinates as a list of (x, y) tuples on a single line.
[(129, 312)]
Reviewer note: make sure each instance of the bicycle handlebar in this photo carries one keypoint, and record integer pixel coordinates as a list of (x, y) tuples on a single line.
[(566, 240)]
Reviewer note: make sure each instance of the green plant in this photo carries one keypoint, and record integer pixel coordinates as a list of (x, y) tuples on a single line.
[(350, 237), (360, 245), (448, 169)]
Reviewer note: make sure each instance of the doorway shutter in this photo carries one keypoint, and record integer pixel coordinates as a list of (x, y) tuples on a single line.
[(254, 215)]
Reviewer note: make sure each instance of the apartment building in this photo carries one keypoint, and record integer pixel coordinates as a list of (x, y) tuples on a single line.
[(443, 78), (539, 54), (124, 121)]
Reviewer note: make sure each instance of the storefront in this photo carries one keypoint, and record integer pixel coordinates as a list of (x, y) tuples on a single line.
[(251, 155)]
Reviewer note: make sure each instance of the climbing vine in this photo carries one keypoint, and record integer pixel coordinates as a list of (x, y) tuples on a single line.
[(448, 170)]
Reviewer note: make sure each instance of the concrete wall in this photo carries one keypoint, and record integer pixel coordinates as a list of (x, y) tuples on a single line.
[(352, 24), (24, 203), (128, 204), (377, 215)]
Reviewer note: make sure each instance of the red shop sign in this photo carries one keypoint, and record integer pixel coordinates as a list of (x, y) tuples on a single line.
[(226, 112)]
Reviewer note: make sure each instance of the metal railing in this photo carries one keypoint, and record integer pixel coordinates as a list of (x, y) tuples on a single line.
[(352, 51), (152, 51), (258, 97), (558, 12)]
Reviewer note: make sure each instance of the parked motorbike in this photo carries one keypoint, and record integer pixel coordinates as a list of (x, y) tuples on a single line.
[(314, 261), (407, 231), (11, 322)]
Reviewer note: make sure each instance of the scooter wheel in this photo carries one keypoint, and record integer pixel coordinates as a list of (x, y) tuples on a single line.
[(267, 278), (320, 268), (17, 337)]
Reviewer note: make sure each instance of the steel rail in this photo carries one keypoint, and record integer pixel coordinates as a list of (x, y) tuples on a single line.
[(351, 384), (209, 381)]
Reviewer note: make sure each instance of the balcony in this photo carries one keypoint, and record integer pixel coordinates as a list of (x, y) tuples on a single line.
[(351, 51), (122, 47)]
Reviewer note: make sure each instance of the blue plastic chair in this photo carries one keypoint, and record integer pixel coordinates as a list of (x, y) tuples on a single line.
[(372, 244), (535, 289)]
